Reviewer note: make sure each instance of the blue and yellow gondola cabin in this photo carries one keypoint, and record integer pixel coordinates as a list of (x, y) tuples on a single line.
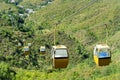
[(59, 56), (102, 55)]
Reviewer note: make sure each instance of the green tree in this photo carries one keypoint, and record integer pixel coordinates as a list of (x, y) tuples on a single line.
[(5, 72)]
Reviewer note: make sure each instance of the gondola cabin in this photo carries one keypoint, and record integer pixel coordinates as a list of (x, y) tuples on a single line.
[(29, 44), (19, 45), (59, 56), (102, 55), (23, 41), (26, 50), (42, 50)]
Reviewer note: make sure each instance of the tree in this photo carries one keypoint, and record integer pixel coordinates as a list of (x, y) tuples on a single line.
[(5, 72)]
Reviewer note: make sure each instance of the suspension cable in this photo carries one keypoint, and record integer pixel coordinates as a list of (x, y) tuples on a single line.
[(81, 9)]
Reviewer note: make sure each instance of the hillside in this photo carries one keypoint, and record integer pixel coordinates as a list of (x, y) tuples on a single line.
[(80, 25)]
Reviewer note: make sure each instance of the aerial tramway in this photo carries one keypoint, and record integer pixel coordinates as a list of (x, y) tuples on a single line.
[(59, 53), (42, 50), (60, 58), (102, 53)]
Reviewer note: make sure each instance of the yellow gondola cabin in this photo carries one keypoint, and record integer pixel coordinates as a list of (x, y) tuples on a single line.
[(26, 50), (102, 55), (59, 56), (19, 45), (42, 50)]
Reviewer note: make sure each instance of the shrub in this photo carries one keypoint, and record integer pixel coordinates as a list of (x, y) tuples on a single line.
[(5, 72)]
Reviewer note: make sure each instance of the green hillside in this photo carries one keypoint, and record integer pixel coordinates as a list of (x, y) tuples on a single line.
[(80, 25)]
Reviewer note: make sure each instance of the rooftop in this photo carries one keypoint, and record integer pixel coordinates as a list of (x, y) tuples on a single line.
[(59, 46), (102, 46)]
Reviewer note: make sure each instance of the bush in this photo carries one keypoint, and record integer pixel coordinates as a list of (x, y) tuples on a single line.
[(5, 72)]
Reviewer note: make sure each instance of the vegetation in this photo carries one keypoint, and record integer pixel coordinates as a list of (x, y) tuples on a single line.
[(80, 25), (5, 72)]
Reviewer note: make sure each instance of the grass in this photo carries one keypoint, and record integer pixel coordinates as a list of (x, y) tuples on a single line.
[(5, 6)]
